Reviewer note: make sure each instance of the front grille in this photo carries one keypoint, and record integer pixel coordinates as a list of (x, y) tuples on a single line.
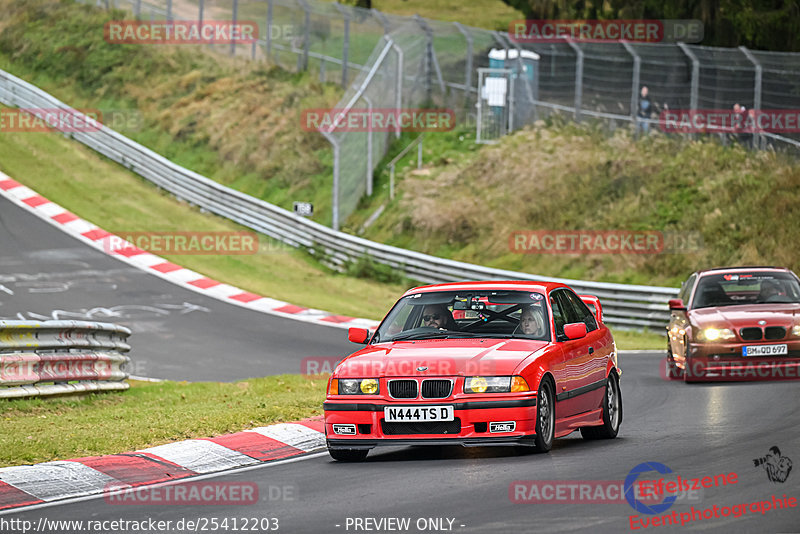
[(425, 427), (774, 332), (750, 333), (436, 389), (403, 389)]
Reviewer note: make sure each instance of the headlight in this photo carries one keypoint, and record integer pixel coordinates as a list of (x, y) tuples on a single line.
[(716, 334), (354, 386), (796, 330), (495, 384)]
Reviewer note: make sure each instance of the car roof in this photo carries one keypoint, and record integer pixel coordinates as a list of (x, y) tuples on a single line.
[(502, 285)]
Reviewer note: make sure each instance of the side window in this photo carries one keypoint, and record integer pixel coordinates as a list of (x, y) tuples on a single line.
[(581, 311), (559, 320)]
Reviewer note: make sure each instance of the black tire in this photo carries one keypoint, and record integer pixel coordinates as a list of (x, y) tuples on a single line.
[(348, 455), (545, 417), (612, 413)]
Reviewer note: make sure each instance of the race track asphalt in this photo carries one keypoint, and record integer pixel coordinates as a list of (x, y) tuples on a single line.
[(178, 334), (695, 430)]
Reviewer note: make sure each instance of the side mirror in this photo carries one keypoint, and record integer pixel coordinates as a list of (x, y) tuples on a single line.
[(575, 330), (593, 302), (358, 335), (676, 304)]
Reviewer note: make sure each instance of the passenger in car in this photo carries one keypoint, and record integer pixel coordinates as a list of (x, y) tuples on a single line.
[(768, 289), (438, 316), (531, 322)]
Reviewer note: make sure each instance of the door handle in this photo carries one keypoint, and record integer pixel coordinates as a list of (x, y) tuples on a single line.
[(591, 350)]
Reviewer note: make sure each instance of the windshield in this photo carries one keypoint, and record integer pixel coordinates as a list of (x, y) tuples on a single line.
[(746, 288), (464, 314)]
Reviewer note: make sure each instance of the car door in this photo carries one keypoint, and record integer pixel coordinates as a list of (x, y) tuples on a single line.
[(589, 356), (572, 375)]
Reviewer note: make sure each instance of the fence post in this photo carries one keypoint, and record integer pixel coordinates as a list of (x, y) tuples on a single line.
[(382, 19), (399, 87), (637, 69), (269, 29), (303, 64), (757, 138), (468, 66), (235, 14), (432, 63), (137, 10), (578, 78), (346, 43), (695, 78), (368, 100), (335, 188), (169, 9), (200, 9), (521, 64)]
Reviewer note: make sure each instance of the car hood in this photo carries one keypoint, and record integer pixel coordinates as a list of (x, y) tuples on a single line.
[(746, 315), (440, 357)]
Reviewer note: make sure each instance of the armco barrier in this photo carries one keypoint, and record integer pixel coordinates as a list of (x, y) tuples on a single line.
[(58, 357), (627, 306)]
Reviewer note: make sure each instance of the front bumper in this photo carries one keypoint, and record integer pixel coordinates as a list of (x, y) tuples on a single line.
[(724, 361), (472, 426)]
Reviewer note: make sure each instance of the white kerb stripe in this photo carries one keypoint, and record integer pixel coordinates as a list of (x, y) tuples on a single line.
[(57, 480), (201, 456), (298, 436)]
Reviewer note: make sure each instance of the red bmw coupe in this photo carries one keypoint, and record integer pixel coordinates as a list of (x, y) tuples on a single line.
[(523, 363), (736, 323)]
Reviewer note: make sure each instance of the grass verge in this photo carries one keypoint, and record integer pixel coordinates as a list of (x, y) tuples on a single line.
[(150, 414)]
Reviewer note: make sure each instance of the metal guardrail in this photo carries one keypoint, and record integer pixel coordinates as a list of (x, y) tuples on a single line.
[(631, 306), (58, 357)]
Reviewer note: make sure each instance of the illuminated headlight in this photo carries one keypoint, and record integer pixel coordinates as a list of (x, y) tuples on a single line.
[(355, 386), (495, 384), (796, 330), (716, 334)]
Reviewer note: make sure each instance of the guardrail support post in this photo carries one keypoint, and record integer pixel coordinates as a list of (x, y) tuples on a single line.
[(757, 138)]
